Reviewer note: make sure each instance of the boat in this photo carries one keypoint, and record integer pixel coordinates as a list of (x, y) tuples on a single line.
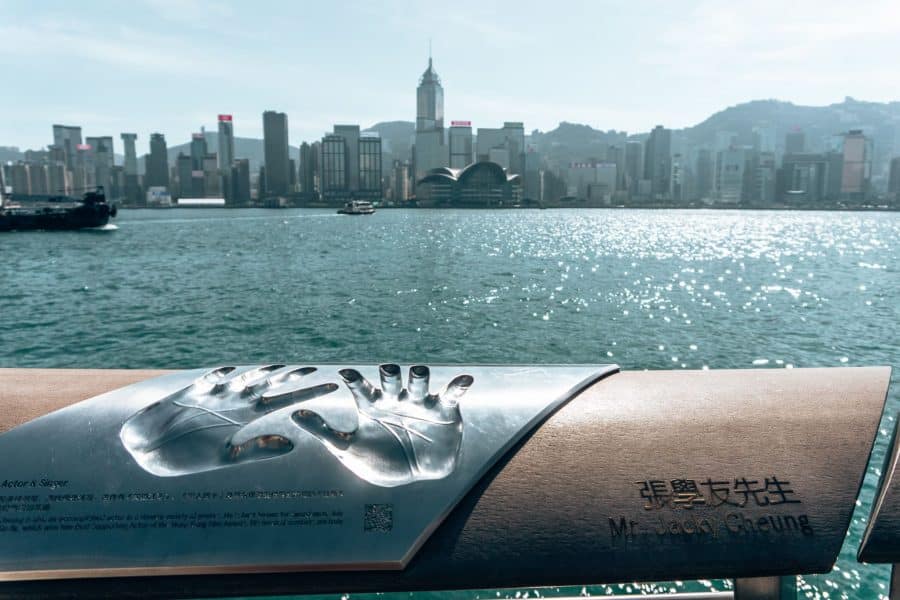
[(56, 212), (357, 207)]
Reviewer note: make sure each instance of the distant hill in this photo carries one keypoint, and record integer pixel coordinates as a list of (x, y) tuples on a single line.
[(881, 120), (571, 141), (396, 137)]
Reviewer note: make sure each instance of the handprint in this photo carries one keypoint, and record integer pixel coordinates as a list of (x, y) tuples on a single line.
[(403, 435), (195, 429)]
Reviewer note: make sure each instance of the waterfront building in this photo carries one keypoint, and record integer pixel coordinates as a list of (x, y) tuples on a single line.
[(504, 145), (184, 170), (400, 182), (704, 173), (763, 182), (68, 138), (732, 174), (479, 185), (350, 133), (20, 178), (38, 184), (430, 150), (658, 161), (277, 154), (131, 190), (634, 165), (460, 135), (533, 178), (804, 178), (198, 150), (351, 164), (157, 168), (604, 187), (857, 167), (102, 159), (334, 168), (57, 179), (894, 180), (369, 166), (212, 180), (226, 142), (795, 141), (616, 155), (677, 179), (240, 182), (309, 162)]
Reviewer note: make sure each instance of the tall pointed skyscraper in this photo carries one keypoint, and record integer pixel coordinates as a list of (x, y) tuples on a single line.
[(431, 151), (429, 101)]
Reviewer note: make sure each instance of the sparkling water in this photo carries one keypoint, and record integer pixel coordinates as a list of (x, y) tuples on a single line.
[(645, 289)]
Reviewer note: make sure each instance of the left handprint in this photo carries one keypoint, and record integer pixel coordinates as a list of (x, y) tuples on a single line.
[(191, 430)]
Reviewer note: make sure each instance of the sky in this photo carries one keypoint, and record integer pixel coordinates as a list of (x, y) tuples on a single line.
[(172, 65)]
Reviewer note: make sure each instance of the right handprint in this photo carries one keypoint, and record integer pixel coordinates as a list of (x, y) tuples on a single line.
[(404, 434)]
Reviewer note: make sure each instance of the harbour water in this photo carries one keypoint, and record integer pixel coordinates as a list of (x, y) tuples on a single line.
[(644, 289)]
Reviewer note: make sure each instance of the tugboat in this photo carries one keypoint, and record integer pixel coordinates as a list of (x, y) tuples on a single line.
[(357, 207), (56, 213)]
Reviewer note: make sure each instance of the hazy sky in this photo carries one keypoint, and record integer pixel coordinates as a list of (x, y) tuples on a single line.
[(172, 65)]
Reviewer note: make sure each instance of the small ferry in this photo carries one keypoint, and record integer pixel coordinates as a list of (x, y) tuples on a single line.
[(56, 212), (357, 207)]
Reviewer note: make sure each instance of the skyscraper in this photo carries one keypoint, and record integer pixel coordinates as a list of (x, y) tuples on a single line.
[(308, 167), (277, 156), (67, 137), (894, 180), (430, 150), (198, 150), (634, 165), (350, 133), (101, 151), (184, 169), (334, 168), (226, 142), (370, 166), (461, 148), (857, 165), (157, 162), (132, 191), (240, 182), (658, 161), (128, 142), (429, 101)]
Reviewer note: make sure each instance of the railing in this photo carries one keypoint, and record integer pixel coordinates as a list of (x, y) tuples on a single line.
[(628, 476)]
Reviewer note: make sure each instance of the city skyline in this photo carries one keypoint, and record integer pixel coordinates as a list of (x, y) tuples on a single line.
[(178, 65)]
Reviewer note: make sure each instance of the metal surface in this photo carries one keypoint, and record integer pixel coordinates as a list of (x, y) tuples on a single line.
[(542, 515), (262, 468), (881, 541)]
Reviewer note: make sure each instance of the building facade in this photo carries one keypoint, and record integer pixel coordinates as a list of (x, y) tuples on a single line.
[(461, 149), (157, 171), (226, 142), (658, 161), (482, 184), (277, 153), (430, 148)]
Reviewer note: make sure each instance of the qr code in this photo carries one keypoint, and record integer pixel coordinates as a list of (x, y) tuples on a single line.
[(379, 518)]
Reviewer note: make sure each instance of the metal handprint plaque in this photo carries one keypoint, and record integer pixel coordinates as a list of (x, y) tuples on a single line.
[(248, 468)]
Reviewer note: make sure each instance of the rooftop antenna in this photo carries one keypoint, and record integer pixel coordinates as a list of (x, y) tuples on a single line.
[(429, 53)]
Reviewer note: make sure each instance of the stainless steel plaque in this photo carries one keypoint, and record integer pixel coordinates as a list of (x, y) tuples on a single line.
[(262, 468)]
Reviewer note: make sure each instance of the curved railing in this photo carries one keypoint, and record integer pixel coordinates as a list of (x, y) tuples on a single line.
[(457, 477)]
